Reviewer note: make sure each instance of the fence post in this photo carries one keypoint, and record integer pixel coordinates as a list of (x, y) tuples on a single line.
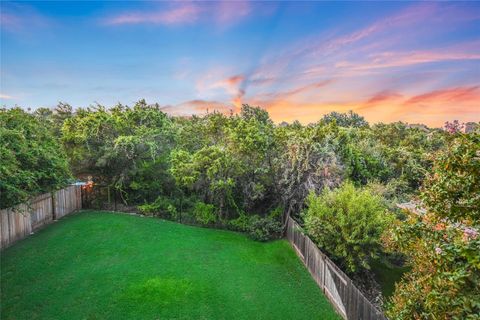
[(54, 213), (324, 272)]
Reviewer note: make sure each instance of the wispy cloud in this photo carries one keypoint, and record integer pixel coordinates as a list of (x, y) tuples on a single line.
[(289, 94), (287, 83), (183, 14), (431, 107), (382, 97), (459, 96), (6, 96), (222, 13), (19, 18), (402, 59)]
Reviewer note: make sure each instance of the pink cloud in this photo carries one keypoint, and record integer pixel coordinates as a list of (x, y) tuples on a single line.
[(222, 13), (400, 59), (230, 12), (184, 14), (458, 96), (19, 18), (432, 107), (382, 97), (286, 95)]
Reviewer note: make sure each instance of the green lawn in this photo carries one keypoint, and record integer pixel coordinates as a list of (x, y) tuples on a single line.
[(98, 265)]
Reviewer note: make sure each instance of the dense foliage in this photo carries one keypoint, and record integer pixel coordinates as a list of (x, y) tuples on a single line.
[(32, 161), (125, 148), (452, 189), (347, 224), (443, 242), (241, 164)]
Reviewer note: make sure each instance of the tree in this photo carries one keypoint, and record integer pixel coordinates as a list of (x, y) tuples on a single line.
[(32, 160), (442, 243), (350, 119), (309, 161), (121, 146), (229, 161), (452, 189)]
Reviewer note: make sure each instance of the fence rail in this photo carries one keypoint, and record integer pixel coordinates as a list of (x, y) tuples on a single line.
[(349, 302), (18, 222)]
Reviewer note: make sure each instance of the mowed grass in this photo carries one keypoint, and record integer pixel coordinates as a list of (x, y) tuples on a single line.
[(99, 265)]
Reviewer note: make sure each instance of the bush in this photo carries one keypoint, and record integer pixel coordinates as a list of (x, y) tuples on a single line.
[(347, 224), (444, 280), (162, 206), (264, 229), (204, 213), (241, 223)]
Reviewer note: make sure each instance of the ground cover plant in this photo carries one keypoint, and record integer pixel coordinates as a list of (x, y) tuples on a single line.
[(97, 265)]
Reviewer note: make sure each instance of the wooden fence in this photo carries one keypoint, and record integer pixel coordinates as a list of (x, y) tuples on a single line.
[(337, 286), (18, 222)]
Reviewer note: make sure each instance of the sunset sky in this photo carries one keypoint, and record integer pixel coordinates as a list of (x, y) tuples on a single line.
[(388, 61)]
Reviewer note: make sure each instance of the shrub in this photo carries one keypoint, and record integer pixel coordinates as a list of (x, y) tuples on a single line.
[(204, 213), (264, 229), (241, 223), (276, 213), (162, 206), (347, 224), (445, 276)]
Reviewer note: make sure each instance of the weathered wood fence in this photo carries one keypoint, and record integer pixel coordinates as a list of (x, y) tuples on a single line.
[(350, 303), (18, 222)]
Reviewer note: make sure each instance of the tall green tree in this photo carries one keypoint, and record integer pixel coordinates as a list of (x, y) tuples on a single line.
[(121, 146), (32, 159)]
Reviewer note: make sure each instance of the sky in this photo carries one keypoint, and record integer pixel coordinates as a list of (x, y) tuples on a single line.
[(417, 62)]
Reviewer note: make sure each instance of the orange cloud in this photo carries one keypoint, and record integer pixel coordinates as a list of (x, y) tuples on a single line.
[(460, 95), (234, 80), (359, 63), (382, 97), (431, 108)]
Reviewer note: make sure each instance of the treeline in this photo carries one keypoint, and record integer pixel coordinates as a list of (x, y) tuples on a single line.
[(233, 170), (241, 164)]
